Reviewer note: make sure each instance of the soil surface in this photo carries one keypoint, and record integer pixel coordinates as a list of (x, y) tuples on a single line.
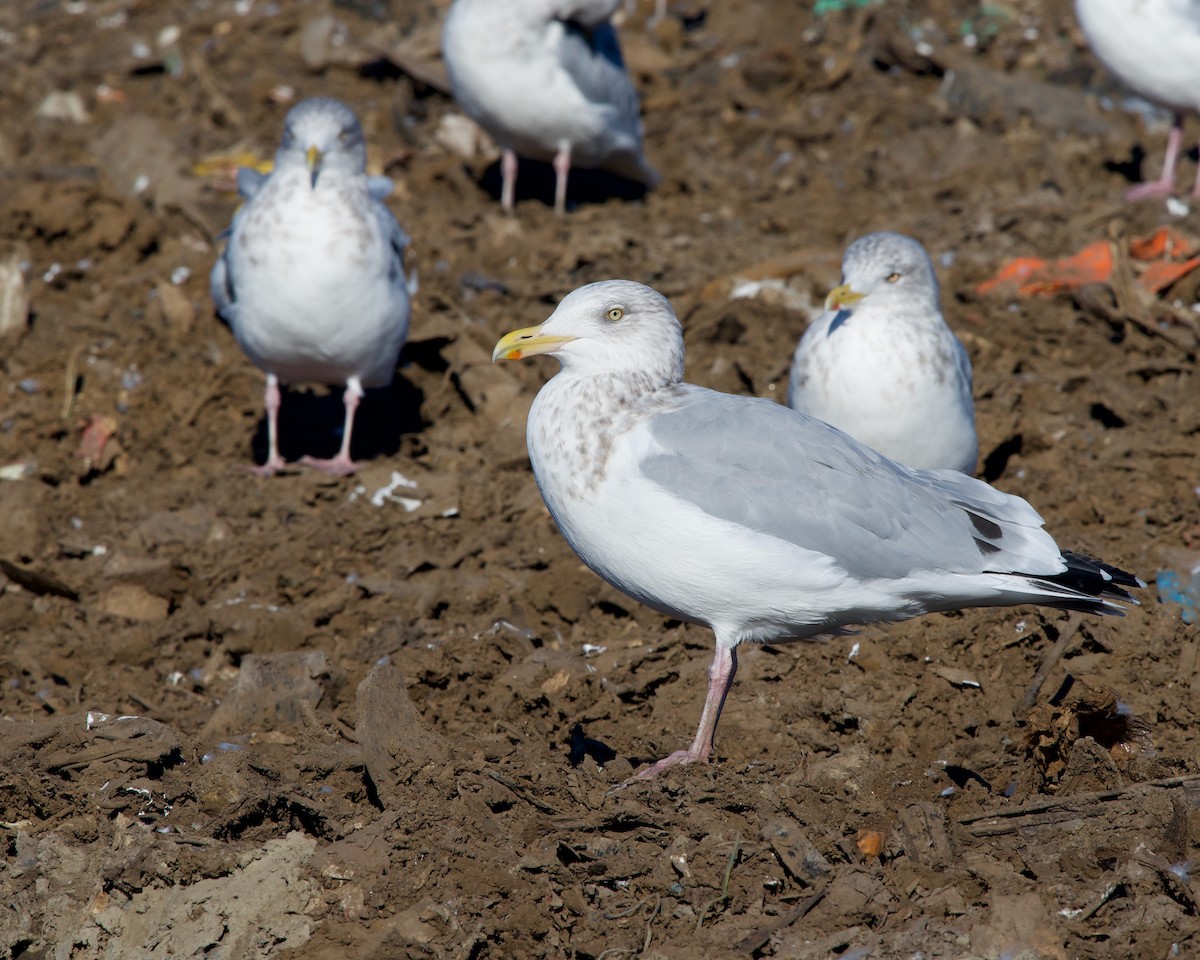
[(383, 716)]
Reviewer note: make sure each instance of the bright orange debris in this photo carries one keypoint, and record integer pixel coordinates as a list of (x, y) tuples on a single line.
[(1035, 277)]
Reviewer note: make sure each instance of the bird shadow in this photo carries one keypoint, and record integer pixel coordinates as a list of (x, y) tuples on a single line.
[(580, 745), (311, 422), (1131, 168), (536, 181)]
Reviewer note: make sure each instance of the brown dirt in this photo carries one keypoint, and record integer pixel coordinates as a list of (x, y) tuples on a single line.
[(200, 667)]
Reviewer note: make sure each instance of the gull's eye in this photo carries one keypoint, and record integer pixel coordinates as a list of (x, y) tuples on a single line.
[(893, 277), (344, 136), (615, 314)]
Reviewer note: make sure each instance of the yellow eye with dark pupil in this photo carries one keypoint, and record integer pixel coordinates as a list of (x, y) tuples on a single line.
[(615, 314), (893, 277)]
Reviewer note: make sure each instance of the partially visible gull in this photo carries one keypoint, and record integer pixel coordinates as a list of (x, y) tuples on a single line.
[(312, 279), (546, 80), (881, 364), (762, 523), (1153, 46)]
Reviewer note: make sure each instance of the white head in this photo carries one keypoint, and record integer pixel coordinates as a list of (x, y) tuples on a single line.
[(614, 326), (323, 135), (888, 268)]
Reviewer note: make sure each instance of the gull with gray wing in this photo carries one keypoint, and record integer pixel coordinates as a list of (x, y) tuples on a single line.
[(757, 521), (312, 279), (881, 364), (546, 80), (1153, 46)]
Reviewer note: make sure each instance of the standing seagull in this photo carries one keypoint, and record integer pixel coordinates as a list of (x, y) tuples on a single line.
[(312, 280), (546, 80), (1153, 46), (761, 523), (881, 364)]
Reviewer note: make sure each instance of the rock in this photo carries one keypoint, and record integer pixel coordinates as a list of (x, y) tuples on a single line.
[(134, 602), (63, 105), (175, 310), (14, 297), (396, 745), (272, 692), (796, 852)]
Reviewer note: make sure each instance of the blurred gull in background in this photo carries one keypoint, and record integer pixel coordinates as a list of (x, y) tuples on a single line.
[(546, 80), (312, 279), (1152, 46)]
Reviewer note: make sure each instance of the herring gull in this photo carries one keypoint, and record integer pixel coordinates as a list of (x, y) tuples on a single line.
[(881, 364), (760, 522), (1152, 46), (312, 279), (546, 80)]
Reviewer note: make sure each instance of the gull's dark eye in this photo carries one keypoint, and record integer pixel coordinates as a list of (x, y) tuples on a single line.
[(615, 314), (346, 136), (893, 277)]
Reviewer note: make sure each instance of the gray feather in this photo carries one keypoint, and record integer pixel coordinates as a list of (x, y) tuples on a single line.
[(760, 465)]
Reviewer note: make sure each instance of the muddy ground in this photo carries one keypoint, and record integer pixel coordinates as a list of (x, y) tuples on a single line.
[(381, 716)]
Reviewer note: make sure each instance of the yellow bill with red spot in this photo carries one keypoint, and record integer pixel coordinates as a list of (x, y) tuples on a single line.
[(842, 297), (527, 342)]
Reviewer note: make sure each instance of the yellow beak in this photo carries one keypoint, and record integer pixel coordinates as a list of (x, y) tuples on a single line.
[(313, 158), (526, 342), (843, 296)]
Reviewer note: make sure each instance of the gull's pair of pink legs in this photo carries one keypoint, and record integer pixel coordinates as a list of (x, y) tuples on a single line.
[(340, 465), (1165, 184), (508, 179), (720, 678)]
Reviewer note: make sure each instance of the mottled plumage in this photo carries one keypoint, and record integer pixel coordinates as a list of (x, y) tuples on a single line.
[(760, 522), (312, 279), (881, 364)]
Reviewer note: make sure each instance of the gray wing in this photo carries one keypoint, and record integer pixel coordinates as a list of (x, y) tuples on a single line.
[(962, 361), (222, 290), (250, 181), (763, 466), (397, 239), (592, 56), (380, 188)]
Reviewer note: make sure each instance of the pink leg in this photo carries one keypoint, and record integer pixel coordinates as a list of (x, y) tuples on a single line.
[(720, 678), (1163, 186), (660, 11), (562, 166), (342, 465), (508, 178), (271, 401)]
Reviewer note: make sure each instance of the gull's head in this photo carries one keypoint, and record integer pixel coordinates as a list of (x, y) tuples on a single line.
[(614, 326), (322, 135), (885, 268)]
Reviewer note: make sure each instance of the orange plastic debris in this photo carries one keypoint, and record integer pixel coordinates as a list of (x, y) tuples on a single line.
[(1158, 276), (1154, 260), (1163, 242)]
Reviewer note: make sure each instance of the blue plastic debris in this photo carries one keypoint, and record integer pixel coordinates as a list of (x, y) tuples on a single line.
[(1182, 589)]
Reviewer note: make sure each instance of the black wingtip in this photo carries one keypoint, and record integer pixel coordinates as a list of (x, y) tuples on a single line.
[(1095, 578)]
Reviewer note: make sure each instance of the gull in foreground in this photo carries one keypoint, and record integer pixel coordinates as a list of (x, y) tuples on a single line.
[(881, 364), (312, 279), (546, 80), (1152, 46), (762, 523)]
